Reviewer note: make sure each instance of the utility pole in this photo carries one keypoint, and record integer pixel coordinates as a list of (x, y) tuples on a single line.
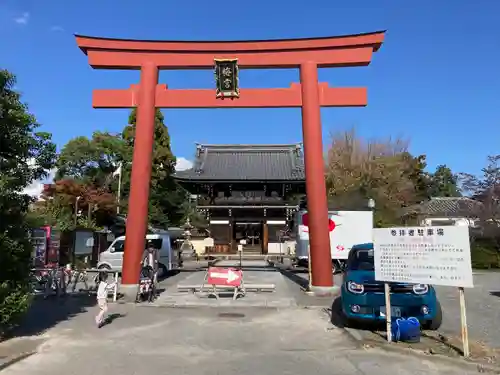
[(118, 195), (89, 212), (76, 211)]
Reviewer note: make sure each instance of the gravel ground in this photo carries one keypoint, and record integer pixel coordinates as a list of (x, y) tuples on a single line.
[(483, 309), (482, 301)]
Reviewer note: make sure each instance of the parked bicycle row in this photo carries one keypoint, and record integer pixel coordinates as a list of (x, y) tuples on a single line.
[(55, 280)]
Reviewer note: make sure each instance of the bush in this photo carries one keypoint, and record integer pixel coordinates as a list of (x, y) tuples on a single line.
[(15, 256), (485, 255), (13, 304)]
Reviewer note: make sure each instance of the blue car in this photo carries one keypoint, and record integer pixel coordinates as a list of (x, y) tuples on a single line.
[(363, 300)]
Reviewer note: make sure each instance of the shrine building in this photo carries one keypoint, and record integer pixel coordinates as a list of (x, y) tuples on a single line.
[(248, 192)]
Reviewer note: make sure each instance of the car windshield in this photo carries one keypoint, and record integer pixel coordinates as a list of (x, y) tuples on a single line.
[(361, 260)]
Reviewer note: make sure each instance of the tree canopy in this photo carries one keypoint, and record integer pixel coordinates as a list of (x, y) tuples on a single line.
[(359, 169), (384, 170), (444, 183), (86, 170), (486, 189), (25, 156)]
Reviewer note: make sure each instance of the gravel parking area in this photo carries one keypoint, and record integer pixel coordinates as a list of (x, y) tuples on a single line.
[(483, 308)]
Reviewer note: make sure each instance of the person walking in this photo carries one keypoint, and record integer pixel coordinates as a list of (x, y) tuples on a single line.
[(102, 297)]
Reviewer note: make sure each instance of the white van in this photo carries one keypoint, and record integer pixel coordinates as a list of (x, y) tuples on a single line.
[(112, 257)]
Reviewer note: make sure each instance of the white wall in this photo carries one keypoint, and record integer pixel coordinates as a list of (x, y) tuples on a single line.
[(287, 247)]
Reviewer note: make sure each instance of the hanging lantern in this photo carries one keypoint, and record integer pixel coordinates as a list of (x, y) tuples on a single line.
[(226, 78)]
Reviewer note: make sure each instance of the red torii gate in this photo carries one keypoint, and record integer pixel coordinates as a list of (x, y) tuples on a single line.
[(306, 54)]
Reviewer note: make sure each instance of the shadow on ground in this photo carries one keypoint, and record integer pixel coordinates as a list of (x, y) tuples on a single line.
[(47, 313), (172, 273), (336, 316), (111, 318), (338, 319), (295, 277)]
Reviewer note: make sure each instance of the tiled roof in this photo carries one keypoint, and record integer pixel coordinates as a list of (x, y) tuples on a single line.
[(447, 207), (246, 163)]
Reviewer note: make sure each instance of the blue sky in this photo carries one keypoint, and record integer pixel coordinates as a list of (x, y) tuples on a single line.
[(436, 80)]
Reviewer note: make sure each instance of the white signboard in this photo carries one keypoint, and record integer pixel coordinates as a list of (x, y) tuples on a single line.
[(423, 255)]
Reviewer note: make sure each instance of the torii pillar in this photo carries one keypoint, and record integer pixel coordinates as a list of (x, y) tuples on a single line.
[(306, 54)]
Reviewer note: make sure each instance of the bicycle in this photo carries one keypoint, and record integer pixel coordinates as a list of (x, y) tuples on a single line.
[(75, 277)]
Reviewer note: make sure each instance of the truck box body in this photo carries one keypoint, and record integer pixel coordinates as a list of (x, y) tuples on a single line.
[(347, 228)]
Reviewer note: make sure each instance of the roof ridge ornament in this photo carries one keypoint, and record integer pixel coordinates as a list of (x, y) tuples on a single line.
[(199, 148), (203, 161)]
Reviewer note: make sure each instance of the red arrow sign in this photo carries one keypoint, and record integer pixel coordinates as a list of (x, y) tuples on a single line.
[(224, 276)]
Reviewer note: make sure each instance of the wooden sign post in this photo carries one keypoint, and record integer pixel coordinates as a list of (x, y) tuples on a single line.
[(463, 323), (388, 313)]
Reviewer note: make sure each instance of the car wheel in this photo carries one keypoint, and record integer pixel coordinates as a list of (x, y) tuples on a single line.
[(435, 323), (162, 271)]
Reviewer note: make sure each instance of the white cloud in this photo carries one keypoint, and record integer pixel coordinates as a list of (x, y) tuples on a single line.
[(56, 28), (36, 187), (183, 164), (22, 19)]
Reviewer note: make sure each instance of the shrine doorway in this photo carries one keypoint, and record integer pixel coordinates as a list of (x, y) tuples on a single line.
[(251, 232)]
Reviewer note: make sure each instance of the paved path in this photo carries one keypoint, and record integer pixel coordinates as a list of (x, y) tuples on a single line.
[(151, 340), (257, 274)]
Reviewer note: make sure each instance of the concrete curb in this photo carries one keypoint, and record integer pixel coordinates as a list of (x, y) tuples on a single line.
[(463, 363), (15, 359)]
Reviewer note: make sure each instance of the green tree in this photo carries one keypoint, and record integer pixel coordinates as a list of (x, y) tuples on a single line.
[(166, 196), (415, 171), (93, 160), (85, 170), (25, 156), (443, 183), (90, 164)]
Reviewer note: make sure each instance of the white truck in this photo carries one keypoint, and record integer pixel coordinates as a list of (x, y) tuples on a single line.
[(347, 228)]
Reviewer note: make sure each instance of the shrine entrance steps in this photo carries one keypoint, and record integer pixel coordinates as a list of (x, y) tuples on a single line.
[(185, 291), (252, 250)]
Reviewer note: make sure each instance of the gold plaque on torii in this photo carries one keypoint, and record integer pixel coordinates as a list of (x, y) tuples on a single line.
[(226, 78)]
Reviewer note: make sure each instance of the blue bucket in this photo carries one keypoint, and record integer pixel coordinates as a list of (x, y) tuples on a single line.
[(406, 330)]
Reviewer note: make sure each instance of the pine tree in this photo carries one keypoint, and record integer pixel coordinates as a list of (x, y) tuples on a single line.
[(166, 196)]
